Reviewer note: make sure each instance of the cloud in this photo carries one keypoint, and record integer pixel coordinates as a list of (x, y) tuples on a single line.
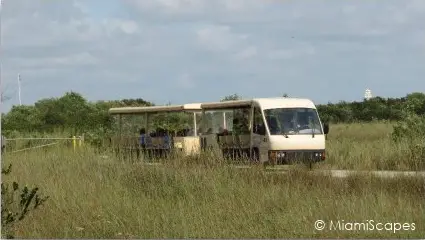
[(185, 81), (149, 48), (125, 26), (218, 37), (247, 53), (171, 7), (71, 60), (179, 7), (298, 51)]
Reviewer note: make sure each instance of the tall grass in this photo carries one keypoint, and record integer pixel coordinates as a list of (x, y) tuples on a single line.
[(356, 146), (370, 146), (96, 196)]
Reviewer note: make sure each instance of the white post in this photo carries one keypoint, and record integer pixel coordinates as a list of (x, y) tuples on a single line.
[(224, 120), (195, 132)]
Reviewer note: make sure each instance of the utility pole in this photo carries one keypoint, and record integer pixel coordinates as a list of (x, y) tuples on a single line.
[(1, 87), (19, 89)]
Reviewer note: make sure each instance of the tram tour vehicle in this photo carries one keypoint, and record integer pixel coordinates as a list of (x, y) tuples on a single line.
[(156, 131), (265, 130)]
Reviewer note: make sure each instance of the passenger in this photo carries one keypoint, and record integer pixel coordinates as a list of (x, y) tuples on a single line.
[(302, 123), (220, 131), (200, 133), (287, 123), (181, 133), (306, 123), (225, 132), (167, 139), (148, 140), (166, 143), (157, 146), (142, 138), (209, 131)]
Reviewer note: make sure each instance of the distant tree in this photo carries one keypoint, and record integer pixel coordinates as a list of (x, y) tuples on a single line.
[(50, 113), (232, 97), (416, 103), (285, 95), (76, 110), (138, 102), (72, 113), (21, 118)]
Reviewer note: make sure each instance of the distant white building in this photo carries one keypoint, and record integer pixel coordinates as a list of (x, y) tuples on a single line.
[(368, 94)]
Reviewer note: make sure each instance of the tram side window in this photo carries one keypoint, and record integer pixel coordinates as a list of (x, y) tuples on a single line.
[(241, 122), (207, 123), (259, 127)]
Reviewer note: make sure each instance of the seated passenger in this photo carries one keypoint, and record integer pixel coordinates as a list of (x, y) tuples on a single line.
[(220, 131), (189, 132), (148, 140), (167, 143), (142, 136)]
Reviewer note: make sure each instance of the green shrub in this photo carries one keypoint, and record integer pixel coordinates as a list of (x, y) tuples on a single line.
[(411, 127), (411, 130), (14, 210)]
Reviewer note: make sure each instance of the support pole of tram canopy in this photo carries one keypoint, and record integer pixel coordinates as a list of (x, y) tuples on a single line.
[(146, 123), (224, 120), (195, 131)]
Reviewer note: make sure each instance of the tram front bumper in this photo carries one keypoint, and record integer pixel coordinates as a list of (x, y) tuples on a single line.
[(295, 156)]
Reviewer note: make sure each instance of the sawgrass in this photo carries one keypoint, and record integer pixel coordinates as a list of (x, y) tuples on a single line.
[(95, 196), (369, 146)]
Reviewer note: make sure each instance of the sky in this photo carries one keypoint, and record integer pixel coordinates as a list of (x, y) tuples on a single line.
[(183, 51)]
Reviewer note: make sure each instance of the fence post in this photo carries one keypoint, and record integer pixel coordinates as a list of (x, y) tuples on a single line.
[(74, 142), (80, 142)]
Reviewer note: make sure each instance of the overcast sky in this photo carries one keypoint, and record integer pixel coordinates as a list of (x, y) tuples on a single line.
[(182, 51)]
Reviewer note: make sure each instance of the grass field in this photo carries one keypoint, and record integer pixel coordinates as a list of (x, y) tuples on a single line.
[(370, 147), (96, 197)]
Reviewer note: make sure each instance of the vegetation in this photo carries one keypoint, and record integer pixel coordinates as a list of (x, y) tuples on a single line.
[(76, 115), (370, 146), (72, 115), (397, 139), (97, 195), (378, 108), (14, 209)]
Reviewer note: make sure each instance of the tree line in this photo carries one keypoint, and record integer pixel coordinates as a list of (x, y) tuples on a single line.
[(378, 108), (72, 113)]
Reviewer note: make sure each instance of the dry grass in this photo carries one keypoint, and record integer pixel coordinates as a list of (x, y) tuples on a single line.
[(95, 197)]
